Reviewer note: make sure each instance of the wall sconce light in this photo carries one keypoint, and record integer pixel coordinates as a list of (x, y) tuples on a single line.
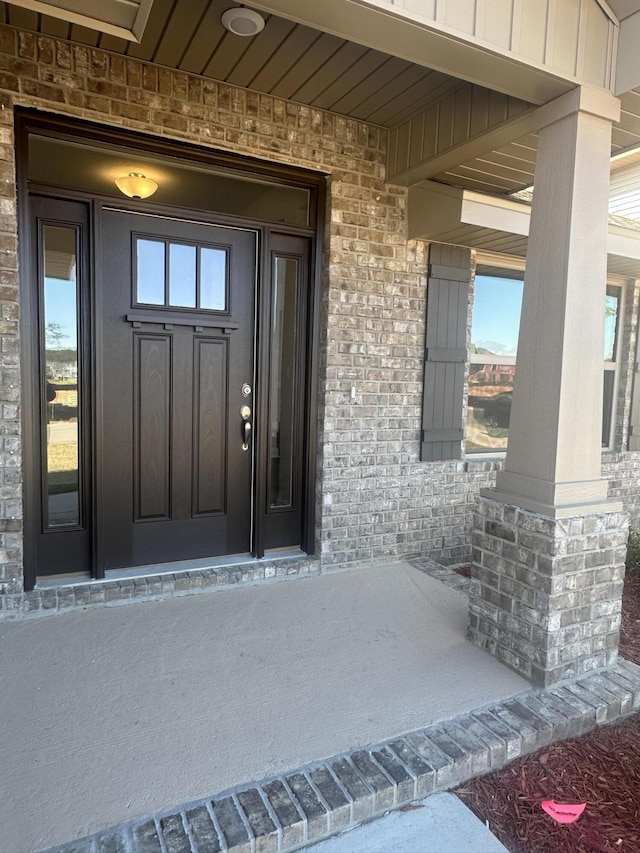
[(135, 185)]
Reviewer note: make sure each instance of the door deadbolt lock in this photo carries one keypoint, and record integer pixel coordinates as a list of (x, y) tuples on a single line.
[(245, 414)]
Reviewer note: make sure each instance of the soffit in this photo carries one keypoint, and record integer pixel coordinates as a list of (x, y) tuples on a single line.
[(511, 168), (310, 67), (286, 59)]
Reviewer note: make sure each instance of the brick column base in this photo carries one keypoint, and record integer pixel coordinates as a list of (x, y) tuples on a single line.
[(546, 593)]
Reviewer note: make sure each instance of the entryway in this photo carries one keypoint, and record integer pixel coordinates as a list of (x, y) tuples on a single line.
[(172, 357)]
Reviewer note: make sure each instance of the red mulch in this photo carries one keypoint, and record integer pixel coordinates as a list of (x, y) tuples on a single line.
[(601, 769)]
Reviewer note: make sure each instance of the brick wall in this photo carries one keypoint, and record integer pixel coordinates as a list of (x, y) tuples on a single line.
[(545, 593), (374, 498)]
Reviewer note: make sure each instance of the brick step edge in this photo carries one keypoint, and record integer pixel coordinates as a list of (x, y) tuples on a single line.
[(65, 598), (289, 812)]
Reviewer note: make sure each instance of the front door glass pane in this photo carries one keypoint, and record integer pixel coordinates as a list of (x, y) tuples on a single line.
[(150, 272), (182, 275), (61, 390), (282, 380), (213, 279)]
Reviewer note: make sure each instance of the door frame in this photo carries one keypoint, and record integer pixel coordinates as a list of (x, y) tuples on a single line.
[(27, 121)]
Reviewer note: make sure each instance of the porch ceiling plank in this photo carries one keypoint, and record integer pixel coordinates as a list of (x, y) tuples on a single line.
[(4, 13), (519, 150), (446, 157), (631, 101), (510, 161), (83, 35), (113, 43), (267, 56), (23, 18), (493, 163), (283, 59), (627, 267), (340, 63), (177, 36), (630, 122), (465, 235), (160, 11), (630, 110), (318, 54), (51, 26), (623, 138), (204, 43), (249, 58), (343, 85), (370, 86), (399, 94), (496, 242), (432, 45), (473, 179), (435, 87)]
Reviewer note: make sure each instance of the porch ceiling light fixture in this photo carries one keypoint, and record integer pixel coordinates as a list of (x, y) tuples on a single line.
[(242, 22), (135, 185)]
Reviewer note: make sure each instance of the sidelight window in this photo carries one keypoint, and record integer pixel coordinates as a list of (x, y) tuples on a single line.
[(282, 380), (60, 387)]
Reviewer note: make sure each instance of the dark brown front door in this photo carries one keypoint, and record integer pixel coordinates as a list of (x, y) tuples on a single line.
[(174, 369)]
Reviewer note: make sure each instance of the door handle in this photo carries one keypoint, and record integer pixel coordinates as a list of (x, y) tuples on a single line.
[(245, 414)]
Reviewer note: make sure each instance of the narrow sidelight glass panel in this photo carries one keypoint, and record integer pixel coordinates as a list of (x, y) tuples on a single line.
[(282, 390), (607, 407), (61, 392), (182, 275), (213, 279), (150, 272), (611, 315)]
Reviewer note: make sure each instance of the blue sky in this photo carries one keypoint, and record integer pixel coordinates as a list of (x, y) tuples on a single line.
[(60, 308), (496, 313)]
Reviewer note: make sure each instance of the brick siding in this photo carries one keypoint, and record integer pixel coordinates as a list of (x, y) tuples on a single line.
[(375, 500), (545, 594)]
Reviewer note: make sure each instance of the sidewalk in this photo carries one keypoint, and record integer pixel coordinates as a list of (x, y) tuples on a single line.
[(440, 824)]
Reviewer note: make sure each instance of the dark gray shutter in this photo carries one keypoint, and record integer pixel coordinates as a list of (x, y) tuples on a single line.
[(445, 352)]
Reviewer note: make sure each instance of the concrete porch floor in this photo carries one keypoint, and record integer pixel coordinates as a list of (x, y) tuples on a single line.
[(122, 711)]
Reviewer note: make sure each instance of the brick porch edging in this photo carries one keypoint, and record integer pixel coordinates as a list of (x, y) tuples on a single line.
[(66, 597), (289, 812)]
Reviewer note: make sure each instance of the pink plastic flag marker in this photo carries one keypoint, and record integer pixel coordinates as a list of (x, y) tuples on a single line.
[(563, 812)]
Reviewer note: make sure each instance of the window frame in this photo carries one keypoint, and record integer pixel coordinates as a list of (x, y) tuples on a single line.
[(614, 366), (517, 263)]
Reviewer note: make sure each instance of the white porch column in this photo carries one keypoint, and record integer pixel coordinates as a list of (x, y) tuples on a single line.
[(548, 547), (554, 452)]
